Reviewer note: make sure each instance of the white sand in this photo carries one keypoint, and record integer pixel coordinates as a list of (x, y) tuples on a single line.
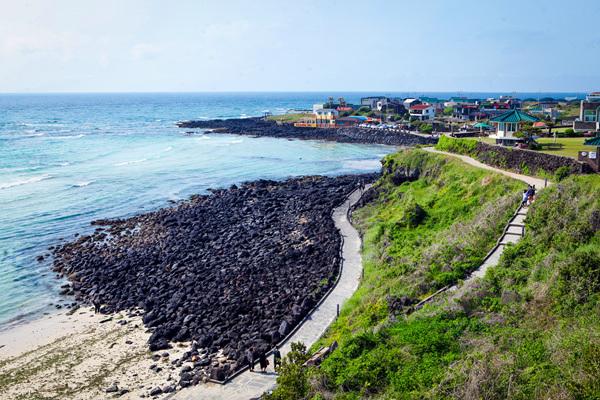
[(77, 357)]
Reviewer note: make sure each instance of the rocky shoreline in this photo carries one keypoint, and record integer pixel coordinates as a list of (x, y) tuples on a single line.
[(259, 127), (229, 271)]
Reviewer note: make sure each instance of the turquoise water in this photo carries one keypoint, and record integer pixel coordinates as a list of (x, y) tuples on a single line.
[(66, 160)]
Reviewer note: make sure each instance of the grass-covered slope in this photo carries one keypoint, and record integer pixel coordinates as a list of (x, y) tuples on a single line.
[(541, 304), (529, 330)]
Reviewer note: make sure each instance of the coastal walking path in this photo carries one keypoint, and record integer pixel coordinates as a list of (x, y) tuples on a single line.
[(248, 384), (538, 182), (513, 232)]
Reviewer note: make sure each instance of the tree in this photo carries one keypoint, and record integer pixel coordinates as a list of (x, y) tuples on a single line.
[(292, 382)]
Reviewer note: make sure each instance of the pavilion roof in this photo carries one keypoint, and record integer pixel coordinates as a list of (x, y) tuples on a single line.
[(515, 116), (595, 141)]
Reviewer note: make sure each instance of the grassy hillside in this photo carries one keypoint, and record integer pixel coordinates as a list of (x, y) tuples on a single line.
[(530, 330)]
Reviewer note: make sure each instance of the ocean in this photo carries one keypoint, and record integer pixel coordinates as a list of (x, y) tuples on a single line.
[(67, 159)]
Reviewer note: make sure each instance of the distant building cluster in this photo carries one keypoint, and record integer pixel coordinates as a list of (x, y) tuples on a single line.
[(503, 118)]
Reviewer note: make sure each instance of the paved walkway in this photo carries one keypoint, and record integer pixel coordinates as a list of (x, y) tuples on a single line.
[(513, 232), (539, 183), (253, 384)]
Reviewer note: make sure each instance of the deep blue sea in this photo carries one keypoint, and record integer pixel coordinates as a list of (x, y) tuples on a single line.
[(67, 159)]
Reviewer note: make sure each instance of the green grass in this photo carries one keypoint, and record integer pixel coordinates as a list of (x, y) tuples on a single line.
[(568, 147), (529, 330), (289, 118)]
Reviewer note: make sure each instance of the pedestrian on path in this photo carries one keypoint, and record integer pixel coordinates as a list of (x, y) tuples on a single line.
[(97, 304), (276, 358), (262, 360), (525, 198), (250, 357)]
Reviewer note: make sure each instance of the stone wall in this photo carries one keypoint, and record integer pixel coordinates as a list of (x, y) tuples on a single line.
[(526, 161)]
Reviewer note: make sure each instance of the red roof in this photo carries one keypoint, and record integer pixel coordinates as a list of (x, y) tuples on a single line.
[(420, 107)]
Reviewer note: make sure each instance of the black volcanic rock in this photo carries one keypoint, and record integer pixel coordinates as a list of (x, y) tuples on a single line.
[(260, 127), (235, 269)]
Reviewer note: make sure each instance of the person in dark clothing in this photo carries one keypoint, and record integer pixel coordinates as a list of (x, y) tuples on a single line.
[(96, 303), (276, 358), (262, 360)]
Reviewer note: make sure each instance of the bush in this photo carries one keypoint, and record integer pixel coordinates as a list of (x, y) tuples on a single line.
[(459, 146), (426, 128), (292, 382), (562, 172)]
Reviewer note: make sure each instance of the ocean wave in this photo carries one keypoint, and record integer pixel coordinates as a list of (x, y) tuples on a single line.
[(203, 137), (25, 181), (67, 137), (82, 184), (168, 149), (130, 162)]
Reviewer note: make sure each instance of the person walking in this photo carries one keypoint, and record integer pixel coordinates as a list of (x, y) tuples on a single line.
[(262, 360), (97, 305), (524, 199), (276, 359), (250, 357)]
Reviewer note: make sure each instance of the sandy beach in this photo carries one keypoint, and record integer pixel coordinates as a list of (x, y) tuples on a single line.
[(80, 356)]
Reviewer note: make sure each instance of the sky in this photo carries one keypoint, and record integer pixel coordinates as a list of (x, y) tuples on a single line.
[(325, 45)]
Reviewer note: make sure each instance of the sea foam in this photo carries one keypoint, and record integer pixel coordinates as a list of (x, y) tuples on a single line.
[(25, 181)]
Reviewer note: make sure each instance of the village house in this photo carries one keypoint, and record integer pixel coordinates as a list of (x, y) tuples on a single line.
[(407, 103), (508, 124), (422, 112), (589, 113), (589, 110), (372, 101), (466, 112), (325, 117)]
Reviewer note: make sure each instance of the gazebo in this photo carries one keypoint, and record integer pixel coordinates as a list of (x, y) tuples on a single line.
[(508, 124)]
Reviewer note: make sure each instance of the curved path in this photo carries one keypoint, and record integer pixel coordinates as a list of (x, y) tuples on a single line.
[(513, 232), (538, 182), (253, 384)]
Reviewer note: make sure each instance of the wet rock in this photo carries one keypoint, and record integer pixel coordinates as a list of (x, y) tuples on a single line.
[(260, 127), (156, 391)]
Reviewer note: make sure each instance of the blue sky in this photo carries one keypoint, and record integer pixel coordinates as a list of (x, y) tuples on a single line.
[(128, 45)]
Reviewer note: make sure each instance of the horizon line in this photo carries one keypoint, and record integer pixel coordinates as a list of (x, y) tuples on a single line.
[(295, 91)]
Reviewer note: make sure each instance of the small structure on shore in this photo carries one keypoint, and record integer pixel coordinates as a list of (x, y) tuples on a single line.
[(591, 157), (508, 124)]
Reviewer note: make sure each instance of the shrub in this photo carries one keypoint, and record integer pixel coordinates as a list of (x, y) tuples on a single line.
[(562, 172), (460, 146), (292, 382), (426, 128)]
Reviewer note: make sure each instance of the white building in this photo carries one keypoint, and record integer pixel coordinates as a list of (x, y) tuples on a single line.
[(407, 103), (326, 117), (422, 112)]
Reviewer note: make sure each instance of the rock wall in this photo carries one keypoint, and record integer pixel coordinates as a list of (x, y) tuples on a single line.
[(260, 127), (233, 270), (526, 161)]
